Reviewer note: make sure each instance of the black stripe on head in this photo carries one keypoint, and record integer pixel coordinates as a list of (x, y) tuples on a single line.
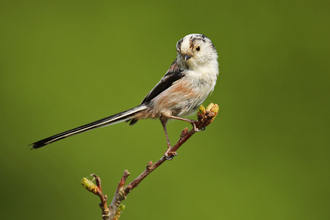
[(197, 37), (178, 45), (204, 39)]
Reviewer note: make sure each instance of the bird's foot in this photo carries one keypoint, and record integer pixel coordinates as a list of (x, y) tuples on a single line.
[(193, 123), (169, 154)]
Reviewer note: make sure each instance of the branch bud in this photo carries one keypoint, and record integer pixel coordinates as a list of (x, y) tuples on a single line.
[(120, 209), (211, 112), (184, 132), (89, 185), (149, 165), (201, 112)]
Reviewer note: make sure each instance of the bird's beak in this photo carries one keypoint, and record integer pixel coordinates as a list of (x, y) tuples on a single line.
[(187, 57)]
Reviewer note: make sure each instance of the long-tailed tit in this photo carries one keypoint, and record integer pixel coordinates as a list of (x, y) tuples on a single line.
[(187, 83)]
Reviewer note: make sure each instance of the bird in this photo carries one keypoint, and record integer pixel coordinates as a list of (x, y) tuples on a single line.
[(187, 83)]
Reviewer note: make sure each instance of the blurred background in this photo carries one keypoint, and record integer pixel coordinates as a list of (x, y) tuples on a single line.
[(67, 63)]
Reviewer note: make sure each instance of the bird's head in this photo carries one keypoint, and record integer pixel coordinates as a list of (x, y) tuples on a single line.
[(195, 50)]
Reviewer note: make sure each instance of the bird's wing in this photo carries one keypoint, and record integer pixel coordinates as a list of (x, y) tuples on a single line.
[(173, 74)]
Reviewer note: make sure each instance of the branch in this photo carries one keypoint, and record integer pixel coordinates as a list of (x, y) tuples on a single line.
[(113, 211)]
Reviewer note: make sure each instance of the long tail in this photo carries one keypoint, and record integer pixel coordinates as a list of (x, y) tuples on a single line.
[(120, 117)]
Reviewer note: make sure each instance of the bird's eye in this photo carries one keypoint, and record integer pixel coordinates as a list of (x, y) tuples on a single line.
[(198, 48)]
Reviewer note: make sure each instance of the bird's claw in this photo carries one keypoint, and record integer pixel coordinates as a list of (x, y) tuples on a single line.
[(169, 155)]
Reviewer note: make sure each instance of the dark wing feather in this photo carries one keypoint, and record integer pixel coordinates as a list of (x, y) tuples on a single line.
[(172, 75)]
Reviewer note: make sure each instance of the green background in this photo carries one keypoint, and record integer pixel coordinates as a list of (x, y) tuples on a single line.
[(67, 63)]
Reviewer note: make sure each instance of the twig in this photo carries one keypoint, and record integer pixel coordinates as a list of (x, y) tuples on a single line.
[(113, 211)]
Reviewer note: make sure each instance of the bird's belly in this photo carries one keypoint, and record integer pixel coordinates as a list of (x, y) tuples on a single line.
[(182, 98)]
